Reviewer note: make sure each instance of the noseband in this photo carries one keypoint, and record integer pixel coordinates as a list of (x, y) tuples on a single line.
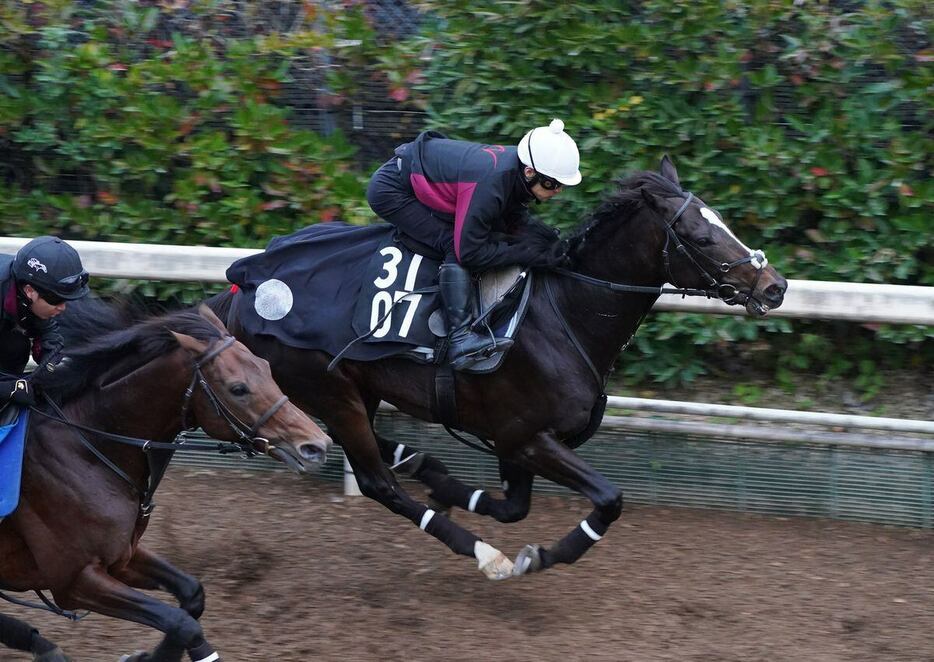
[(727, 293), (247, 434)]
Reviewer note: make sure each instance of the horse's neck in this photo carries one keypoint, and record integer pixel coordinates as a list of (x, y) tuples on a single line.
[(147, 402), (604, 321)]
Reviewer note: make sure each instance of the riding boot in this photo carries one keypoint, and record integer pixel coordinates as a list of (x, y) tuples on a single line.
[(466, 346)]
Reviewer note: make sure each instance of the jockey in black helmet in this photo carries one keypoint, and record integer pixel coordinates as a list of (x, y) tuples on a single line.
[(467, 203), (35, 285)]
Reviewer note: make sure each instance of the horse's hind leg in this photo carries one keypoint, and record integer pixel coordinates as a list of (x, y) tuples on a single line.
[(96, 590), (21, 636), (147, 570), (449, 491), (351, 428)]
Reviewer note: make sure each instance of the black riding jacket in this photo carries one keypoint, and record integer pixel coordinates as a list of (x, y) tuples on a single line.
[(480, 186)]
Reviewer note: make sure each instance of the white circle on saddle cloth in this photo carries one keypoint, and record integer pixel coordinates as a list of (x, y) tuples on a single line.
[(273, 300)]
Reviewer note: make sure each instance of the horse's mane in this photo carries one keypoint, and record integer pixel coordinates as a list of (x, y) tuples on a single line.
[(101, 336), (622, 205)]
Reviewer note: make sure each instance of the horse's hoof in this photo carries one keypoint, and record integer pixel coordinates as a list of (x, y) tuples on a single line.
[(528, 560), (136, 656), (492, 562), (54, 655)]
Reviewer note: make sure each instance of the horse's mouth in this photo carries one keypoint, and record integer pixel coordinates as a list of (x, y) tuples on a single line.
[(304, 458), (756, 308)]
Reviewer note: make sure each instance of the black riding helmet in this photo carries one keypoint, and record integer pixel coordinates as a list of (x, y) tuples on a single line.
[(51, 265)]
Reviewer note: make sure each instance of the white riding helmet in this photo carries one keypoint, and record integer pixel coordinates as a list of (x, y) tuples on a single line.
[(551, 152)]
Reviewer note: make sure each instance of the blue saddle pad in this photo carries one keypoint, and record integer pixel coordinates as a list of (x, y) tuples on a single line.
[(12, 441)]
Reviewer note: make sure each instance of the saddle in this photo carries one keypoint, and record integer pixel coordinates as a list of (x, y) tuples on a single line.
[(363, 294)]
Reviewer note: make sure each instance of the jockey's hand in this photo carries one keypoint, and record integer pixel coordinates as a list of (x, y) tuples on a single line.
[(555, 256), (17, 391)]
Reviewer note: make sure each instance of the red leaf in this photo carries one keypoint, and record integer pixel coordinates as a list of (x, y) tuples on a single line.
[(819, 172)]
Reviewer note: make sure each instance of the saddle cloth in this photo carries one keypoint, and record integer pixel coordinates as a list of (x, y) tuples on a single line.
[(13, 424), (356, 291)]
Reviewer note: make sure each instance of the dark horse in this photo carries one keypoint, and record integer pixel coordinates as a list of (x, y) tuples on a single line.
[(77, 529), (547, 396)]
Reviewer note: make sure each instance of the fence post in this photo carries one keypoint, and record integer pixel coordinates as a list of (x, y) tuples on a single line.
[(350, 480)]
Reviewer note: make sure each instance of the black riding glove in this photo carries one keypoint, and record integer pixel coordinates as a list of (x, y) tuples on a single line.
[(17, 391), (554, 256)]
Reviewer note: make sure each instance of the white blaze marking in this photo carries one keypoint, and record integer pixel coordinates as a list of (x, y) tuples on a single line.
[(712, 217), (273, 300)]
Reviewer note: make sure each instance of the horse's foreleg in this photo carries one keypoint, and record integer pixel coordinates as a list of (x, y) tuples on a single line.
[(96, 590), (147, 570), (377, 482), (551, 459), (21, 636)]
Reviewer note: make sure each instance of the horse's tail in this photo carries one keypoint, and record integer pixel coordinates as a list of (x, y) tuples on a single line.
[(220, 304)]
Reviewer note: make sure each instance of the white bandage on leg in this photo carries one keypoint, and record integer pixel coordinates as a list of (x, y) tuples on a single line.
[(474, 498), (593, 535), (426, 518), (209, 658)]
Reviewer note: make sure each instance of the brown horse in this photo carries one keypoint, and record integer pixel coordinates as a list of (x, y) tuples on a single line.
[(548, 395), (86, 498)]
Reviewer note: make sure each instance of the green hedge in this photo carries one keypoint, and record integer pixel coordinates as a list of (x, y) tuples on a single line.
[(808, 125), (116, 136)]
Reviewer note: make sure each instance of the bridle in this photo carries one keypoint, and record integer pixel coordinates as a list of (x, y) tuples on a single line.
[(248, 438), (725, 292), (717, 289), (247, 442)]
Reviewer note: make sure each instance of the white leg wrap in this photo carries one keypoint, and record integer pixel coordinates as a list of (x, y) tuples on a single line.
[(209, 658), (474, 498), (397, 455), (593, 535), (426, 518)]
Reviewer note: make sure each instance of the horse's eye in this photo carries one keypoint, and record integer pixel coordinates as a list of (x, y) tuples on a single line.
[(239, 390), (704, 241)]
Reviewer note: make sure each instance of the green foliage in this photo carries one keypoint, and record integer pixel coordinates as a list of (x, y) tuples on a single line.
[(187, 140)]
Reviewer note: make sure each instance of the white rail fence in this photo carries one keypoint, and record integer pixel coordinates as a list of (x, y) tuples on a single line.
[(810, 299)]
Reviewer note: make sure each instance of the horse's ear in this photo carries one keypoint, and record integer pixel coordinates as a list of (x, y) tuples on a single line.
[(209, 315), (668, 171), (190, 343)]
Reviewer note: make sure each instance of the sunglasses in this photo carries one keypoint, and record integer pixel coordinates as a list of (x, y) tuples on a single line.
[(74, 283), (548, 183), (50, 298)]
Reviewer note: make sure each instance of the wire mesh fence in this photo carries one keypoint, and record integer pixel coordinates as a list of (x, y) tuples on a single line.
[(693, 470)]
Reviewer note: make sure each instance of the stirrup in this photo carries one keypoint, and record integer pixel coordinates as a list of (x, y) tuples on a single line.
[(481, 354)]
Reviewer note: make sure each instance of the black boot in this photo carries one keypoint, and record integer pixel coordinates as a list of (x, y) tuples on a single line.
[(467, 347)]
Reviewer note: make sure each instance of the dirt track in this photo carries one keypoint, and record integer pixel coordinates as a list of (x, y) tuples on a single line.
[(293, 571)]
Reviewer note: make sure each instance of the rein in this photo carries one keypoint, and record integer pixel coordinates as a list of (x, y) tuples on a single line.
[(158, 466)]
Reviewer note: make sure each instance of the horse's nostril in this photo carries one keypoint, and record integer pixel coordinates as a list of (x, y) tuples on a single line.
[(775, 292), (312, 453)]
